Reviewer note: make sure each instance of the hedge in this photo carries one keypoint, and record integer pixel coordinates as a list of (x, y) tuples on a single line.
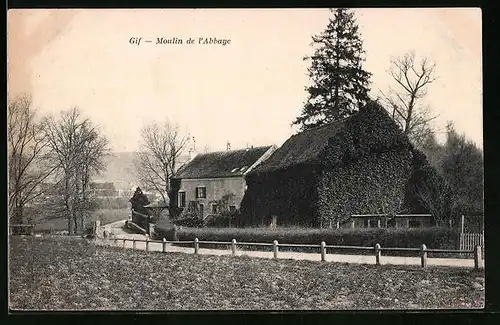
[(436, 237), (165, 229)]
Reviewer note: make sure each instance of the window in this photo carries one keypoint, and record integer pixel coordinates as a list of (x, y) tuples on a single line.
[(214, 208), (373, 223), (391, 223), (201, 192), (182, 199)]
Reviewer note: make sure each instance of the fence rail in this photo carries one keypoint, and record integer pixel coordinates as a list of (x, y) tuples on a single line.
[(377, 249)]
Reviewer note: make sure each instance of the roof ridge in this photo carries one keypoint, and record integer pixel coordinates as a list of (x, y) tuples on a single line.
[(234, 150), (328, 124)]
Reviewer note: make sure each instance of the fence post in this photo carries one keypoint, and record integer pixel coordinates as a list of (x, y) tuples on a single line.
[(478, 260), (134, 245), (338, 224), (377, 254), (164, 245), (423, 255), (323, 251), (32, 230), (147, 244), (123, 242), (462, 224), (196, 245), (116, 241), (233, 246), (275, 248), (352, 224)]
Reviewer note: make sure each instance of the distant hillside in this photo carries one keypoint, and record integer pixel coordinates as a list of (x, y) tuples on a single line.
[(121, 171)]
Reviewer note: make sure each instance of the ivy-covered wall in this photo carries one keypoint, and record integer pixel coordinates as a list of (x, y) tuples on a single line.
[(366, 168), (374, 184)]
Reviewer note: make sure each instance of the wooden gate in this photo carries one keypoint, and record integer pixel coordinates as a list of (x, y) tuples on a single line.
[(468, 241)]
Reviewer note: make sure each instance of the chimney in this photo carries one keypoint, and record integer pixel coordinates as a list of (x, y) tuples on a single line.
[(228, 146), (192, 154)]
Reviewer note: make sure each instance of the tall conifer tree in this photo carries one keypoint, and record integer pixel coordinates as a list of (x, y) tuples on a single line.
[(339, 83)]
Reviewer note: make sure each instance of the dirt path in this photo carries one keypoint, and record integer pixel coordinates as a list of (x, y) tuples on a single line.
[(117, 232)]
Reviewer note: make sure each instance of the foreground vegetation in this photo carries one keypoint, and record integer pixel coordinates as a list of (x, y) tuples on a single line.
[(73, 274)]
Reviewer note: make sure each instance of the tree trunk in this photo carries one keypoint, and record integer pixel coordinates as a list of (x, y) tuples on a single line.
[(409, 116), (75, 221)]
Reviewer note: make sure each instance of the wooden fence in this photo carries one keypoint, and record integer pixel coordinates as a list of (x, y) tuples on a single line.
[(469, 240), (377, 249)]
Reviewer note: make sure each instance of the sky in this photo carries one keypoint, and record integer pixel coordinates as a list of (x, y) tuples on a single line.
[(247, 92)]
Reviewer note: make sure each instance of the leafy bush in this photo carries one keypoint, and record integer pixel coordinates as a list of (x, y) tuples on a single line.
[(165, 229), (139, 200), (225, 219), (189, 221), (175, 212)]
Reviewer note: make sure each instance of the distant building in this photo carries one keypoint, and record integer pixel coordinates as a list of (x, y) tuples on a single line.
[(208, 177)]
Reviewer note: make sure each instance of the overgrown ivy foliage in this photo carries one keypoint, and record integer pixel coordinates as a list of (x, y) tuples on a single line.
[(367, 167), (371, 167), (374, 184)]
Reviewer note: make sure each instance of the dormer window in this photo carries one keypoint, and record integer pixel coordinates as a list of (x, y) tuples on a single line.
[(234, 169), (243, 168)]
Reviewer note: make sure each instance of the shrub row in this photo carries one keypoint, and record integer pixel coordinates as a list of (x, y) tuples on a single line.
[(435, 238), (165, 229)]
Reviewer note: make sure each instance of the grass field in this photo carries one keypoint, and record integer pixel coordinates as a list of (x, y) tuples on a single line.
[(73, 274), (60, 224)]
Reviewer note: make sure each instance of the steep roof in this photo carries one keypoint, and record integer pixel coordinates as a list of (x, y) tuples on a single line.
[(222, 163), (369, 131), (303, 147)]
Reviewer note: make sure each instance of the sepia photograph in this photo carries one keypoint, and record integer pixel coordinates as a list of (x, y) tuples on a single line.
[(245, 159)]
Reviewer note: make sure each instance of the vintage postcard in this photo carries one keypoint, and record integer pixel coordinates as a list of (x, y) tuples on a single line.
[(245, 159)]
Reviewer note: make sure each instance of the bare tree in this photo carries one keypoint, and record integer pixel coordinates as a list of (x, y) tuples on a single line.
[(78, 150), (456, 184), (412, 80), (160, 149), (90, 163), (437, 196), (26, 156)]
